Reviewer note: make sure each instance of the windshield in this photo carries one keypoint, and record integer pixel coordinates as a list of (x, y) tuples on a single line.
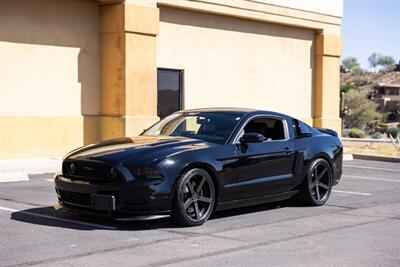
[(214, 127)]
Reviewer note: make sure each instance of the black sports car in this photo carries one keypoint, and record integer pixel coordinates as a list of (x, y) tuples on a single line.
[(194, 162)]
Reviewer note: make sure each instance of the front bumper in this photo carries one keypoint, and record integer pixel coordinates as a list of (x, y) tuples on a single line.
[(117, 199)]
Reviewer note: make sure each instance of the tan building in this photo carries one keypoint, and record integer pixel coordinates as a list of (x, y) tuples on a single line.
[(387, 96), (74, 72)]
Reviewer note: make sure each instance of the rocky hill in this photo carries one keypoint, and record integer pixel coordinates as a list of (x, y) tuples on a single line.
[(367, 80)]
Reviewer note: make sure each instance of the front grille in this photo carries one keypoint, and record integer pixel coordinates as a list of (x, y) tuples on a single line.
[(75, 198), (87, 170)]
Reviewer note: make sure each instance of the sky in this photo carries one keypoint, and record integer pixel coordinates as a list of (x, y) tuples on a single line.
[(371, 26)]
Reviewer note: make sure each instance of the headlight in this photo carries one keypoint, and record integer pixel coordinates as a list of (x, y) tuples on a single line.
[(146, 172), (112, 172), (70, 167)]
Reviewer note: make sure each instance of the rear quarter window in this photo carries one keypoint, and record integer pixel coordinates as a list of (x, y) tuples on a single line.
[(301, 129)]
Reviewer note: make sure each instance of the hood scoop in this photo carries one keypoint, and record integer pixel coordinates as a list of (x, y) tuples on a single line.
[(162, 142)]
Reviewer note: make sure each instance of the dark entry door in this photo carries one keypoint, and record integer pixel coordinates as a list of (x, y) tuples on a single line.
[(169, 91)]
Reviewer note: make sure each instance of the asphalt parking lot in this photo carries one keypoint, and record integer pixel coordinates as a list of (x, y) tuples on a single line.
[(359, 226)]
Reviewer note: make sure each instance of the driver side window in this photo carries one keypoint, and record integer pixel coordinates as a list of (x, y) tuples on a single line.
[(270, 128)]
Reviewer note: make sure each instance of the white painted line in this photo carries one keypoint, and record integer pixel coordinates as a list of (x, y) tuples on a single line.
[(351, 193), (8, 209), (61, 219), (31, 165), (13, 176), (347, 157), (49, 180), (371, 168), (371, 178)]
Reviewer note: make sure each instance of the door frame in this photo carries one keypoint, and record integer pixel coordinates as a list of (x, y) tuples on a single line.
[(235, 141)]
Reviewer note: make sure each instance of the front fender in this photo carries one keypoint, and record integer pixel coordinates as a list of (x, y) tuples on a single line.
[(211, 159)]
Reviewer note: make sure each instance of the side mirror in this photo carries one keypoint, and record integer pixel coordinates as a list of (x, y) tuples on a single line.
[(251, 138)]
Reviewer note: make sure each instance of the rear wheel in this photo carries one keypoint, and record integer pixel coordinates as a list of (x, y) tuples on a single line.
[(194, 198), (317, 185)]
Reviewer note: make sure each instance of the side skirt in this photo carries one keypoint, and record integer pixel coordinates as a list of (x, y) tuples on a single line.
[(255, 201)]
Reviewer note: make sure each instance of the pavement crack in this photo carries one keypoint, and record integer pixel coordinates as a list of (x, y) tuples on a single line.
[(370, 216), (185, 235), (193, 234), (341, 206), (90, 253), (254, 245), (21, 202)]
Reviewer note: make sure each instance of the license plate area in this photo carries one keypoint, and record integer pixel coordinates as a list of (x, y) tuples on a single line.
[(103, 202)]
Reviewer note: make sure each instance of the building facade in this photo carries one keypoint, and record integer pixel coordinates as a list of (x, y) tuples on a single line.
[(387, 96), (75, 72)]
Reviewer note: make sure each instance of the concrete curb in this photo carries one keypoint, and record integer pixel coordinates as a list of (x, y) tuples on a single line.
[(377, 158), (13, 170), (364, 140)]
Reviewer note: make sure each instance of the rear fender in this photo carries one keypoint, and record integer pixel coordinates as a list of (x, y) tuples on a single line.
[(328, 131)]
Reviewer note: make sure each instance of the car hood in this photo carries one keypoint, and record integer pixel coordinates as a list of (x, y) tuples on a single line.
[(126, 149)]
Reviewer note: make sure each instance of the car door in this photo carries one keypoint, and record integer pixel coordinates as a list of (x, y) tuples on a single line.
[(261, 168)]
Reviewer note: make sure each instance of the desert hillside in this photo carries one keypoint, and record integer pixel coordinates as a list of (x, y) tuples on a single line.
[(367, 80)]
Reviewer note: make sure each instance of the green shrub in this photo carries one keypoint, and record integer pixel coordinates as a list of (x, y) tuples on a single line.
[(347, 87), (372, 125), (376, 135), (359, 109), (356, 133), (361, 81), (382, 127), (393, 132)]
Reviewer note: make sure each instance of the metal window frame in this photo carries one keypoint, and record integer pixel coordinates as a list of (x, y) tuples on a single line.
[(284, 121)]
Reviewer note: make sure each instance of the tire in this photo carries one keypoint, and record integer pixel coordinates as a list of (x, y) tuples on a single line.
[(194, 198), (316, 192)]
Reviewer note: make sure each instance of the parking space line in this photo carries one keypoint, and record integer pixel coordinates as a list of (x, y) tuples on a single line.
[(371, 168), (351, 193), (8, 209), (101, 226), (49, 180), (371, 178)]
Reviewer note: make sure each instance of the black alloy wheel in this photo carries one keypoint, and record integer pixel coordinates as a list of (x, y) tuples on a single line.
[(194, 199), (317, 184)]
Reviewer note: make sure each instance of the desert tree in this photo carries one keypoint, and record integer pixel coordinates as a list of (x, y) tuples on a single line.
[(373, 60), (359, 109), (351, 64), (387, 62)]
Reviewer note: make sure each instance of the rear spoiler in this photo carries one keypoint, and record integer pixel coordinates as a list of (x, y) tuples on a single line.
[(327, 131)]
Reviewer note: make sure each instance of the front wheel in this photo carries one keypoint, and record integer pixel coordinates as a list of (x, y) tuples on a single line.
[(317, 185), (194, 198)]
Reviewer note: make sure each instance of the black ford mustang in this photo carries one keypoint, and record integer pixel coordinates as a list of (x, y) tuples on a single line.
[(196, 161)]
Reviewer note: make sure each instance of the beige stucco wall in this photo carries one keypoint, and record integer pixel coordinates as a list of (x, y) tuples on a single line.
[(239, 63), (328, 7), (49, 75), (74, 72)]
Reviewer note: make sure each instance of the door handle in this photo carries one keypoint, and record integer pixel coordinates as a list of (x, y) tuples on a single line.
[(288, 151)]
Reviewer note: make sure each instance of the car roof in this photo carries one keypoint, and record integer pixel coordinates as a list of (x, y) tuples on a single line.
[(220, 109), (243, 111)]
